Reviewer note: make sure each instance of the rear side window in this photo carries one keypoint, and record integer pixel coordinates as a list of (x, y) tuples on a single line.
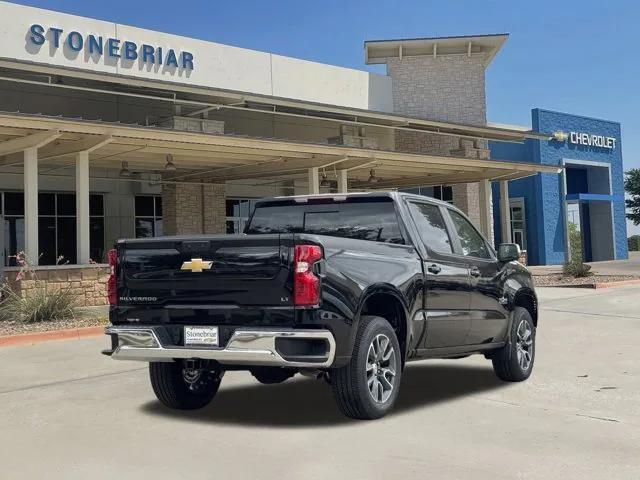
[(431, 227), (364, 220), (472, 243)]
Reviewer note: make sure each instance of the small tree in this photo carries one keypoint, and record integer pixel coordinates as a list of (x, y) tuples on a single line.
[(575, 243), (632, 187), (575, 266)]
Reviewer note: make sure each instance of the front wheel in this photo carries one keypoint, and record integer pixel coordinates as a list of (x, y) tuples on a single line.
[(184, 385), (368, 386), (514, 361)]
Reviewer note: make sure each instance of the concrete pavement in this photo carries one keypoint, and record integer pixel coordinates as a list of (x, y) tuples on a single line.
[(68, 412), (631, 266)]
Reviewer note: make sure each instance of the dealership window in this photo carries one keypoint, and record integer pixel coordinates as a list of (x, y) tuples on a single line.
[(444, 193), (148, 216), (56, 227), (440, 192), (238, 212), (518, 225)]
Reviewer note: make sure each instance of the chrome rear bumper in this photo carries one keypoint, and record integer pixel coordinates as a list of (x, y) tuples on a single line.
[(245, 347)]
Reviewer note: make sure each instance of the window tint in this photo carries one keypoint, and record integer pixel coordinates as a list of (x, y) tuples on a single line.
[(13, 203), (66, 203), (364, 220), (96, 205), (431, 227), (144, 206), (472, 243)]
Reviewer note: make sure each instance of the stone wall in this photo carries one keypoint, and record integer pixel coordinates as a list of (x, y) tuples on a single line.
[(214, 208), (193, 209), (88, 284), (449, 88)]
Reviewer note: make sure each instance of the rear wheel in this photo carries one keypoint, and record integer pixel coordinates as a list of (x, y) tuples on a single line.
[(514, 362), (272, 375), (368, 386), (184, 385)]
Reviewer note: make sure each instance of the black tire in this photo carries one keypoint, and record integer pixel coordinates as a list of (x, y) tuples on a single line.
[(172, 389), (272, 375), (507, 362), (350, 384)]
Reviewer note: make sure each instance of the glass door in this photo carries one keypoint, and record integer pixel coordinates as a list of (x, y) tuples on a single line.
[(518, 224)]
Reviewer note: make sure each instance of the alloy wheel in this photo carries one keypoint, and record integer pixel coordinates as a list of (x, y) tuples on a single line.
[(524, 345), (381, 368)]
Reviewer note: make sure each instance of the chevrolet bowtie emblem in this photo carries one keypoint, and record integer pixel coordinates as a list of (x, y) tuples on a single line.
[(196, 265)]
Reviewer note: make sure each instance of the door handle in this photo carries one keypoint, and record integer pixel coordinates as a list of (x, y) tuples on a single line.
[(475, 272), (434, 268)]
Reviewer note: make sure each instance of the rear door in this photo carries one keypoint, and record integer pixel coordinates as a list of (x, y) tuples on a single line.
[(446, 279), (488, 317)]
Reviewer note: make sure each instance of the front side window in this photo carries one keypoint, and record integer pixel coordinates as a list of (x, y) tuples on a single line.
[(473, 245), (431, 227)]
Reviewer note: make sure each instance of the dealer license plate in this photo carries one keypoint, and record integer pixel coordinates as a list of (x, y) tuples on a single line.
[(207, 336)]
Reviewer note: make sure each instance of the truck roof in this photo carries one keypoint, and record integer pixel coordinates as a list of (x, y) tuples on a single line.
[(342, 196)]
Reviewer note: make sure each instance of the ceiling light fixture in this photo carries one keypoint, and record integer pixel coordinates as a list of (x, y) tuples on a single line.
[(125, 172), (170, 166), (325, 181)]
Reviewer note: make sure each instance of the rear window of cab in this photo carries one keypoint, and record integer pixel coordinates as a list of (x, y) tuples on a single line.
[(373, 219)]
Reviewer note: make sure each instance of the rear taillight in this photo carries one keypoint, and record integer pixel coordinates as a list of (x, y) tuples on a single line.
[(306, 284), (112, 290)]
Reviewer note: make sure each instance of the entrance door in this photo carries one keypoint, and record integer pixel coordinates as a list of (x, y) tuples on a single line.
[(518, 223)]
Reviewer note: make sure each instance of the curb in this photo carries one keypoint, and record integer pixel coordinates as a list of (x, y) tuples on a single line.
[(39, 337), (596, 286), (621, 283)]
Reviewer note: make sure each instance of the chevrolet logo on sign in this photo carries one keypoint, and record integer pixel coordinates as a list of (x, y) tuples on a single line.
[(196, 265)]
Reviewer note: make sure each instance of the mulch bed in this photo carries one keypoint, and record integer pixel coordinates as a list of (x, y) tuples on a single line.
[(17, 328), (558, 280)]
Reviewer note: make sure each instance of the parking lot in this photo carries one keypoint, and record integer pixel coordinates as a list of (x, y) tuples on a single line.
[(68, 412)]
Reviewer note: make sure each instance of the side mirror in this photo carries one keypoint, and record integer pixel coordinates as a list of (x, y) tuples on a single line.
[(508, 252)]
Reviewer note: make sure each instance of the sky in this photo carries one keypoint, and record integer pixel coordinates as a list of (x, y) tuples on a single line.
[(581, 57)]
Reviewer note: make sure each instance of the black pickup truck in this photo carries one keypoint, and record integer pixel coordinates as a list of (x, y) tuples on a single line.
[(345, 287)]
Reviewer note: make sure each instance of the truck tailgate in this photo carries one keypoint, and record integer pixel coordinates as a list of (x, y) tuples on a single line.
[(226, 271)]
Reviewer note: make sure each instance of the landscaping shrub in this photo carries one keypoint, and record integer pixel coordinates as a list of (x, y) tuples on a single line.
[(41, 304), (577, 269)]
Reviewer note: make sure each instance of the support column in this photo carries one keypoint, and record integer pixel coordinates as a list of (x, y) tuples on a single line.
[(505, 211), (314, 185), (82, 208), (31, 248), (342, 181), (486, 217)]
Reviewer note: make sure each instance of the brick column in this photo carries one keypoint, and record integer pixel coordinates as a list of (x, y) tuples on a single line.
[(215, 210), (182, 209), (449, 88), (193, 209)]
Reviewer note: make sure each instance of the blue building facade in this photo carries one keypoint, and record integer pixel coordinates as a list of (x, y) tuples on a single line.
[(588, 193)]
